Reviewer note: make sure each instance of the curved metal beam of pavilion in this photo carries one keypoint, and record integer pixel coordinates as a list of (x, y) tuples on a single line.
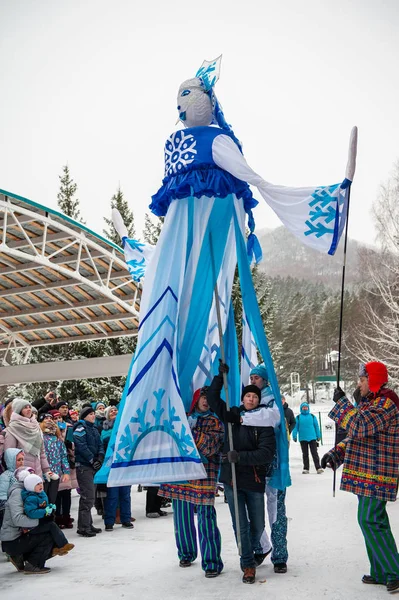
[(59, 281)]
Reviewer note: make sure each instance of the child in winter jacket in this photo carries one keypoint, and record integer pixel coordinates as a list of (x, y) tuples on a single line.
[(308, 431), (57, 457), (36, 506), (14, 458)]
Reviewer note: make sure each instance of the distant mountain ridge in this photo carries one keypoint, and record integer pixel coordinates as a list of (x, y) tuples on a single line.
[(285, 256)]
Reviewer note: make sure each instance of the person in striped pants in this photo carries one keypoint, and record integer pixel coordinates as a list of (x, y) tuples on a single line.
[(370, 458), (199, 496)]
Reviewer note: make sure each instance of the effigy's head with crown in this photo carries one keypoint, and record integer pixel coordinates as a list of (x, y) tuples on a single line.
[(196, 99)]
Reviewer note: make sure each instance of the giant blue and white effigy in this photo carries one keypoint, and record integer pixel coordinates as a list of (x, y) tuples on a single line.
[(207, 204)]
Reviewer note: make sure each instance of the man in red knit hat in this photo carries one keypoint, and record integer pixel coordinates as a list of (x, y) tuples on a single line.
[(370, 458)]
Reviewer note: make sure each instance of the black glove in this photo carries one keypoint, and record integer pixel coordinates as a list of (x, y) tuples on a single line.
[(327, 461), (338, 394), (46, 519), (223, 368), (233, 456), (97, 464)]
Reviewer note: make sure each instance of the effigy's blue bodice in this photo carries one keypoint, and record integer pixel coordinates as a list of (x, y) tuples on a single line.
[(191, 171)]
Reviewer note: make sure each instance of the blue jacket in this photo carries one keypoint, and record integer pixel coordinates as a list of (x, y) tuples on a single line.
[(306, 427), (107, 432), (88, 444), (7, 478), (34, 504)]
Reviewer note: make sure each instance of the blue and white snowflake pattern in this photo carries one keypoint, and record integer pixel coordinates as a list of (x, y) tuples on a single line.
[(179, 152), (136, 262), (323, 210), (136, 268), (163, 418)]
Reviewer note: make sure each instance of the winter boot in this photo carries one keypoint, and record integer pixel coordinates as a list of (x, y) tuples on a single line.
[(249, 575), (95, 529), (280, 568), (68, 522), (63, 550), (259, 558), (87, 534), (393, 585), (305, 472), (18, 562), (370, 580), (34, 570), (185, 562), (60, 521), (320, 471)]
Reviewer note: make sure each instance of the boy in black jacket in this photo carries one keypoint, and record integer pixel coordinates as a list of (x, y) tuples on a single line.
[(254, 450), (89, 456)]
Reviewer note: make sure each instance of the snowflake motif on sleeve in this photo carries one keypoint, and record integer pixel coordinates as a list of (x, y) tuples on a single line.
[(325, 202), (179, 152)]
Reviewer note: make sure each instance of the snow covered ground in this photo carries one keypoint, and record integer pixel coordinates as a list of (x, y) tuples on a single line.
[(327, 556)]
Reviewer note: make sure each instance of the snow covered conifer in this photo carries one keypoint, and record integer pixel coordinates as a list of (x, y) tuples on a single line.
[(66, 200)]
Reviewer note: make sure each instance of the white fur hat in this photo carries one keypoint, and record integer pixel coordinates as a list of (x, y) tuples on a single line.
[(22, 472), (31, 481)]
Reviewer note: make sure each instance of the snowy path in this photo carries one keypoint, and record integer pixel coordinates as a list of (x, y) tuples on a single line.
[(327, 556)]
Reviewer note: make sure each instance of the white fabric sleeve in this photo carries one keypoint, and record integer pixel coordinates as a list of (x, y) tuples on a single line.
[(313, 214), (263, 417), (138, 256), (227, 156)]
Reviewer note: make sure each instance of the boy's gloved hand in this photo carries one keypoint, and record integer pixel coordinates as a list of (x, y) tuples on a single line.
[(233, 456), (97, 464), (48, 510), (223, 368)]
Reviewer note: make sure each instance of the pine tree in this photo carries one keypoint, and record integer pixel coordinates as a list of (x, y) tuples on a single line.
[(66, 201), (118, 201), (267, 308), (152, 231)]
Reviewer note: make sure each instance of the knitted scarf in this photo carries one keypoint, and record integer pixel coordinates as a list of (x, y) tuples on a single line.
[(27, 432), (108, 424)]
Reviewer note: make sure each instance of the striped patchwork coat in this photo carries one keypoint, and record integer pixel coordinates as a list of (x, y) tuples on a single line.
[(370, 453), (208, 434)]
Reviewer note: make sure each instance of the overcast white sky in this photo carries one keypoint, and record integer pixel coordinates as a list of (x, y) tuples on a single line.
[(94, 83)]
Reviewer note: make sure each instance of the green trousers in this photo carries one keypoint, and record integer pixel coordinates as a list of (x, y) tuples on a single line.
[(380, 543)]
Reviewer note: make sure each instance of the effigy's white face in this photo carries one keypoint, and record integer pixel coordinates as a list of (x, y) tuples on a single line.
[(194, 104)]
